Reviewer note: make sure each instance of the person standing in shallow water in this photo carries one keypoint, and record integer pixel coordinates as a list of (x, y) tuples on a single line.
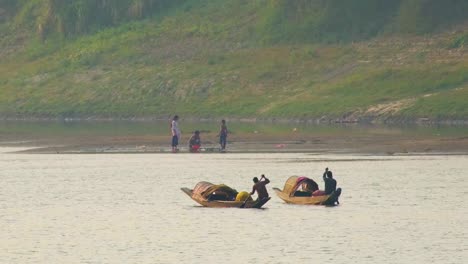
[(175, 133), (223, 131), (260, 187)]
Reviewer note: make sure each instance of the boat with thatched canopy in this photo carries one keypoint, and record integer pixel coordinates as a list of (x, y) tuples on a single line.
[(299, 190), (220, 195)]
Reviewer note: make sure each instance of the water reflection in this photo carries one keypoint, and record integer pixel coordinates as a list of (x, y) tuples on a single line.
[(124, 208)]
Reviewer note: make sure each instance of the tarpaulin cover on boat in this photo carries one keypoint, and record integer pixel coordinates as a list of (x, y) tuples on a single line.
[(306, 184)]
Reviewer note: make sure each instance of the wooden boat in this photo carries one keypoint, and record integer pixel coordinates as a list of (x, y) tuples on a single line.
[(289, 194), (220, 196)]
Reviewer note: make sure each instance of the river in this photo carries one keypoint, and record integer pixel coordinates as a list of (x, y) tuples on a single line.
[(128, 208)]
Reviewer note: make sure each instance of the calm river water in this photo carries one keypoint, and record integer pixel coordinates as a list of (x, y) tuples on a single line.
[(128, 208)]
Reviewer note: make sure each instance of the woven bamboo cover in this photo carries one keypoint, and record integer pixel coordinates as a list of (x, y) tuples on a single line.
[(201, 187), (290, 185), (220, 188)]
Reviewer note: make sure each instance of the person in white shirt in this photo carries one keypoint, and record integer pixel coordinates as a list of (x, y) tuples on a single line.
[(175, 133)]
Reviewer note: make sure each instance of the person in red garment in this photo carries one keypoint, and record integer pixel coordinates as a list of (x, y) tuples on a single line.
[(260, 187), (195, 142)]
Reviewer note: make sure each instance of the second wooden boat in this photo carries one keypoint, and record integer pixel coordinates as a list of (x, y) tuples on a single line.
[(291, 194)]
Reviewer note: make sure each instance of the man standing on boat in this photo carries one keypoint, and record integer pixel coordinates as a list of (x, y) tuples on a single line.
[(260, 187), (330, 183)]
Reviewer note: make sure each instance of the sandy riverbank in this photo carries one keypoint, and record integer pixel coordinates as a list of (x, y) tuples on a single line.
[(386, 144)]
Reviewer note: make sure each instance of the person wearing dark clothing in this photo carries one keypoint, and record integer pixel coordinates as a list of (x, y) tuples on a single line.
[(330, 183), (223, 132), (260, 187)]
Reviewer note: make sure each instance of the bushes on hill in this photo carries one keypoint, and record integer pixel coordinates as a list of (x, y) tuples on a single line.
[(424, 16), (80, 16), (277, 20), (340, 21)]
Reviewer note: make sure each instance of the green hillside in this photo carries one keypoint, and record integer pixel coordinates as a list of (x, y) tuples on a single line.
[(353, 60)]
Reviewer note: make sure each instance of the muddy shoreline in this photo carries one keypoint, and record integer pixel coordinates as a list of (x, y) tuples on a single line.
[(250, 143), (246, 136)]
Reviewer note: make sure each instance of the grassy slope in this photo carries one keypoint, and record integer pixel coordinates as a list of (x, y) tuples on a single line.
[(207, 62)]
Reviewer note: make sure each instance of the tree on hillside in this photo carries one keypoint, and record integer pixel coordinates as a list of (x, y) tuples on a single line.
[(355, 19), (423, 16), (326, 20), (8, 4), (80, 16), (278, 20), (7, 8)]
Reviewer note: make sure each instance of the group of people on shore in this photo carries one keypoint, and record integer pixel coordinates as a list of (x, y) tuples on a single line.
[(194, 142)]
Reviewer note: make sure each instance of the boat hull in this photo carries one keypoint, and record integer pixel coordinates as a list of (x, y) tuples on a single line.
[(329, 200), (224, 204)]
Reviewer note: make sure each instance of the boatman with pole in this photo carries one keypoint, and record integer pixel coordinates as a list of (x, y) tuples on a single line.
[(260, 187), (330, 183)]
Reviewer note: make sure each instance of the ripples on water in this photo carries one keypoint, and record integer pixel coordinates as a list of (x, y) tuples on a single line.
[(121, 208)]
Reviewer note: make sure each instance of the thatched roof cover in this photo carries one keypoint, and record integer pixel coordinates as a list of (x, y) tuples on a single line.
[(290, 185), (293, 183), (201, 187), (204, 189)]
